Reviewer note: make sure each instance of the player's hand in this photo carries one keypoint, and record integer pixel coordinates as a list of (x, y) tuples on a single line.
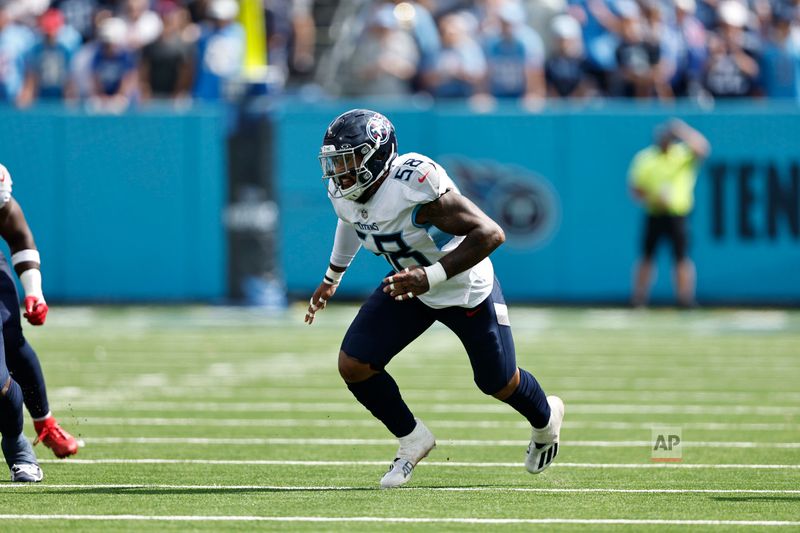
[(407, 283), (319, 300), (35, 310)]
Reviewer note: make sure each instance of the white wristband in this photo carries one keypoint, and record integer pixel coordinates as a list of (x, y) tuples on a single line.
[(24, 256), (332, 277), (31, 281), (435, 273)]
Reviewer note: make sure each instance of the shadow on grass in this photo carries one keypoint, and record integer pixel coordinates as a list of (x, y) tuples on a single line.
[(222, 489)]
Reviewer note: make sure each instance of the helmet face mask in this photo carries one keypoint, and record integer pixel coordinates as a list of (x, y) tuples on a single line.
[(357, 149), (346, 168)]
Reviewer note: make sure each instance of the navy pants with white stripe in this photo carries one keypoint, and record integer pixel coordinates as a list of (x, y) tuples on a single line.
[(384, 326)]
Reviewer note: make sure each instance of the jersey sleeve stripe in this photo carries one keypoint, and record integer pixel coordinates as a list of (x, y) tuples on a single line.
[(414, 218), (439, 237)]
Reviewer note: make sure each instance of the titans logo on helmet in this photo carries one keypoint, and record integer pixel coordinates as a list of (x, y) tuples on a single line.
[(378, 128)]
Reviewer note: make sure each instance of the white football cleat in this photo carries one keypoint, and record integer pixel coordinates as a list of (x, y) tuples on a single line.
[(413, 448), (26, 473), (544, 442)]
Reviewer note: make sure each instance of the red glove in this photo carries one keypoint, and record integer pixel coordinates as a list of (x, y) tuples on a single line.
[(35, 310)]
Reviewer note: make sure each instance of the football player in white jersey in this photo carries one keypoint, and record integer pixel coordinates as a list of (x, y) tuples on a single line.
[(21, 378), (406, 208)]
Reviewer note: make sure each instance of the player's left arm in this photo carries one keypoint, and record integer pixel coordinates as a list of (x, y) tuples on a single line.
[(25, 258), (457, 215), (345, 247)]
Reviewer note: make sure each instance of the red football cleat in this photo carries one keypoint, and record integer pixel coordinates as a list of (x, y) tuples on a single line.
[(54, 437)]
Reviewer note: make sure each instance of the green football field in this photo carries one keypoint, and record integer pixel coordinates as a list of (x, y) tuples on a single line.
[(226, 419)]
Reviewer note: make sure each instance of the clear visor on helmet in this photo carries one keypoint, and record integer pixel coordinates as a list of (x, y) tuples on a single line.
[(345, 168), (339, 166)]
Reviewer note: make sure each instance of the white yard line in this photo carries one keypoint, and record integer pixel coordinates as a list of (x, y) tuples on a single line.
[(392, 442), (459, 424), (405, 520), (466, 464), (438, 489)]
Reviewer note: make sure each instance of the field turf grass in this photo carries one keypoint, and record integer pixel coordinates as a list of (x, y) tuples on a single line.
[(226, 419)]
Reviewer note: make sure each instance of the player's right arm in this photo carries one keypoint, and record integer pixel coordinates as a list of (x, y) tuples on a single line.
[(457, 215), (345, 246), (15, 231)]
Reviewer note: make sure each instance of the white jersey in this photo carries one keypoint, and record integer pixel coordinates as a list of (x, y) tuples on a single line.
[(5, 186), (386, 224)]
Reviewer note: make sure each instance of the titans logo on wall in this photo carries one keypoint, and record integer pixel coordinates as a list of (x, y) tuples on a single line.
[(378, 129), (524, 203)]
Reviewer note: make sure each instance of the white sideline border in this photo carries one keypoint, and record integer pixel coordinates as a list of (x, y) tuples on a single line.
[(268, 462), (406, 520)]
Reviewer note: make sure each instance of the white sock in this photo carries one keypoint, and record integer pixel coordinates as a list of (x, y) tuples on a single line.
[(45, 417)]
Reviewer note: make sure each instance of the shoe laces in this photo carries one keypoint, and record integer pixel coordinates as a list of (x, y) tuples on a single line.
[(52, 430)]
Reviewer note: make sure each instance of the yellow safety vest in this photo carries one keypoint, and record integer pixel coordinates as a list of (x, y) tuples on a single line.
[(666, 179)]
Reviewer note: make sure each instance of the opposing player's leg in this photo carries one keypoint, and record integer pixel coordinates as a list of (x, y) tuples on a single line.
[(27, 370), (24, 366), (485, 331), (17, 451), (382, 328)]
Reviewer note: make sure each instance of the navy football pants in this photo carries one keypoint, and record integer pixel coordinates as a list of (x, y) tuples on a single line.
[(384, 326), (20, 358)]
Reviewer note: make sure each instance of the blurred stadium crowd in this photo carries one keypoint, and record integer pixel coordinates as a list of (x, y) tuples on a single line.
[(110, 53), (533, 49)]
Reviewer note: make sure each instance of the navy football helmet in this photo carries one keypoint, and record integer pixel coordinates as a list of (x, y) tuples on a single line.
[(357, 149)]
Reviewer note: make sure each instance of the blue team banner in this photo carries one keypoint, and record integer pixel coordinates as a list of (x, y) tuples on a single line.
[(131, 207), (123, 208), (557, 183)]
